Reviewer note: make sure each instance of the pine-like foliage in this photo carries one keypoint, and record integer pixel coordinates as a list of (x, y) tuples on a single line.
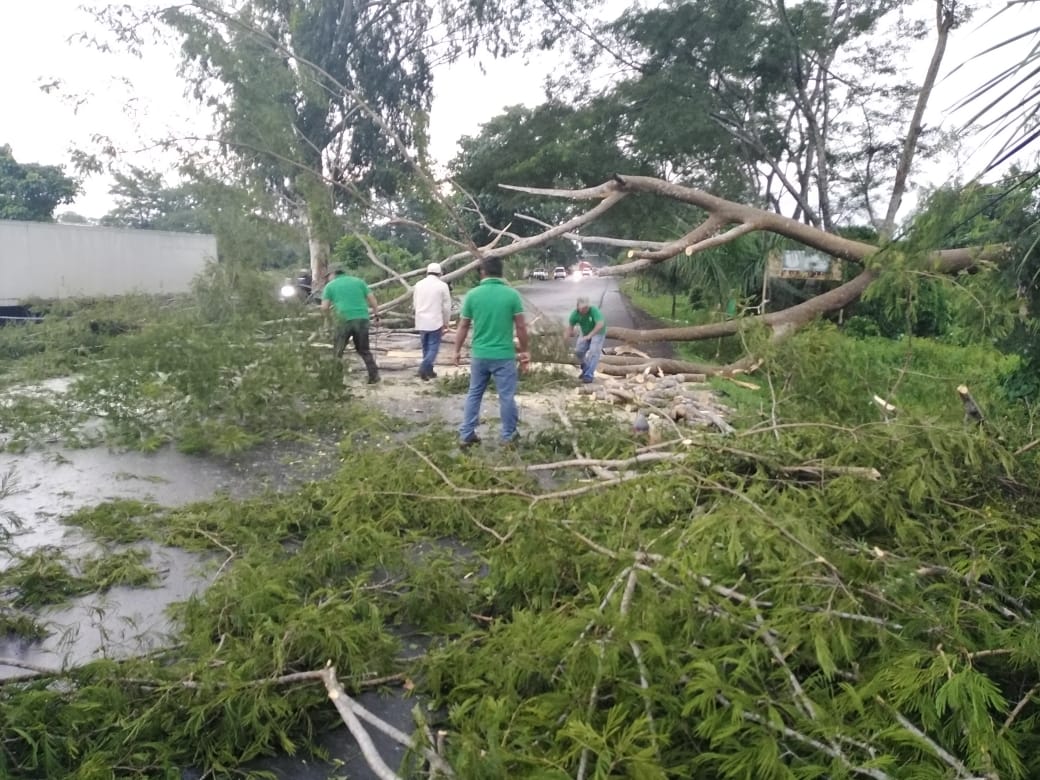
[(823, 594)]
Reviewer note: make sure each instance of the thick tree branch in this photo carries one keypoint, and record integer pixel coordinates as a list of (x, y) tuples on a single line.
[(944, 18)]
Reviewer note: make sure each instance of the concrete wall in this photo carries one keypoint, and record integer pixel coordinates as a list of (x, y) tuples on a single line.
[(42, 260)]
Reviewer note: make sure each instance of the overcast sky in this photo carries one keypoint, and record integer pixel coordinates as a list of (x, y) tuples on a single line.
[(133, 100)]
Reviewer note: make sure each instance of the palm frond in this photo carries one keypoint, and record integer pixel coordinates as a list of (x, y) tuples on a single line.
[(1008, 103)]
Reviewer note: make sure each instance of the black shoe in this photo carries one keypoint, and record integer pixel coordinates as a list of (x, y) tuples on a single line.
[(373, 380), (469, 442)]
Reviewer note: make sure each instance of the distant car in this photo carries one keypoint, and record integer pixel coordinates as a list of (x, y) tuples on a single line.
[(587, 272), (559, 272), (540, 273)]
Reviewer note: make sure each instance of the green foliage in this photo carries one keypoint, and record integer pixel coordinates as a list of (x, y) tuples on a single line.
[(119, 521), (29, 191), (47, 576), (884, 604), (41, 577), (209, 378), (124, 567), (144, 202), (819, 376), (351, 253), (287, 80), (900, 304), (555, 146), (688, 308)]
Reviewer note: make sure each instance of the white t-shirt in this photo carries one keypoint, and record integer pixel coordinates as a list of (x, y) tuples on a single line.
[(431, 299)]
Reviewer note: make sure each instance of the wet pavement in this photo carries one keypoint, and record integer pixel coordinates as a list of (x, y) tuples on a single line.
[(46, 485), (552, 301), (49, 484)]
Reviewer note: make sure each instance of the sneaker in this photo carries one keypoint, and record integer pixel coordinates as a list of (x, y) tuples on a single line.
[(588, 380), (469, 441), (373, 380)]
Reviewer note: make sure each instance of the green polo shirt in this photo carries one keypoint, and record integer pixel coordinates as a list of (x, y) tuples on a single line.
[(349, 296), (491, 306), (587, 321)]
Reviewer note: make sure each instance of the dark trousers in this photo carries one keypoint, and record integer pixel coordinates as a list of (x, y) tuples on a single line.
[(358, 331)]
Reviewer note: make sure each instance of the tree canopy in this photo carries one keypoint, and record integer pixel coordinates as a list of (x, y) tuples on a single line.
[(30, 191)]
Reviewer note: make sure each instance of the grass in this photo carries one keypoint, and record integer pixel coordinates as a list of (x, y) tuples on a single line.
[(659, 306)]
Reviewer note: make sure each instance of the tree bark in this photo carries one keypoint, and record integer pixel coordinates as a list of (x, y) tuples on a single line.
[(319, 250), (944, 19)]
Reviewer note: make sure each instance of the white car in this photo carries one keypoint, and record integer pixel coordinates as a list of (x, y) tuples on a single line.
[(540, 273), (559, 272)]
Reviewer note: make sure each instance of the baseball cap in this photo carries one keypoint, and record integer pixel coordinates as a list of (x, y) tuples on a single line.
[(434, 268)]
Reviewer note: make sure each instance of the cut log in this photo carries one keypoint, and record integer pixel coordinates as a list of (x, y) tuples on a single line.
[(972, 412)]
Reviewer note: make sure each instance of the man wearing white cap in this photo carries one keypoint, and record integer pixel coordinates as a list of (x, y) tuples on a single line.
[(431, 300)]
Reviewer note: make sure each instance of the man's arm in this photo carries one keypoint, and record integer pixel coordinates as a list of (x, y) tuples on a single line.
[(373, 304), (598, 325), (520, 325), (446, 306), (573, 326), (460, 337)]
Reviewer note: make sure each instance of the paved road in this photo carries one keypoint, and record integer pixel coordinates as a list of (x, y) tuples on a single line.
[(555, 300)]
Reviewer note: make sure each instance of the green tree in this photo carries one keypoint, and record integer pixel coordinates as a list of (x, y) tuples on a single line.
[(30, 191), (316, 101), (555, 146), (144, 201), (802, 109)]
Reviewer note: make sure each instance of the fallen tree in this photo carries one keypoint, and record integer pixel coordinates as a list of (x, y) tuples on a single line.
[(740, 220)]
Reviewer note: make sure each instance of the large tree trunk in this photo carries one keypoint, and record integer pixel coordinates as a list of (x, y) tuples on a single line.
[(319, 250), (315, 195)]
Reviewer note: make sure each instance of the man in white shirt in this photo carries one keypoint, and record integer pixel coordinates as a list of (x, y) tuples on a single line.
[(431, 300)]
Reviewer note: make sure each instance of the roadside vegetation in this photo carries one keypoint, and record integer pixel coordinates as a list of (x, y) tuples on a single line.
[(865, 578), (839, 581)]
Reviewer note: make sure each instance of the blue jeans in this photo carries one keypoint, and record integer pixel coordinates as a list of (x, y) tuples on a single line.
[(431, 345), (481, 371), (588, 353)]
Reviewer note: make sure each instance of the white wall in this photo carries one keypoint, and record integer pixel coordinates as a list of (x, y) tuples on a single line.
[(42, 260)]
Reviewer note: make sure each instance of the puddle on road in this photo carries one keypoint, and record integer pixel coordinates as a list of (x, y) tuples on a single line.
[(50, 484), (117, 624), (131, 621), (47, 485)]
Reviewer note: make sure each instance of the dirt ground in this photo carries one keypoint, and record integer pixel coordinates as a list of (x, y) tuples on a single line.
[(404, 396)]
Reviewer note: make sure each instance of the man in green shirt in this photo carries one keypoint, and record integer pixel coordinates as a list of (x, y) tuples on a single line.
[(587, 323), (351, 299), (494, 310)]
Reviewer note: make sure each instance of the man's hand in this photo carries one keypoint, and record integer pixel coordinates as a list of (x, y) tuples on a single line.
[(455, 358), (525, 361)]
